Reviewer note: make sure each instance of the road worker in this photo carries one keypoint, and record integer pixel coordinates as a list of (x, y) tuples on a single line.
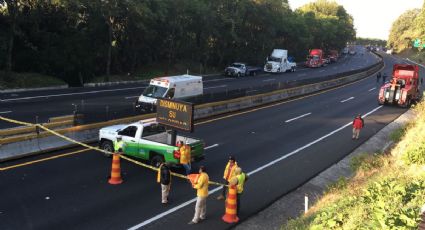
[(164, 178), (185, 156), (358, 124), (229, 172), (240, 183), (119, 145), (201, 186)]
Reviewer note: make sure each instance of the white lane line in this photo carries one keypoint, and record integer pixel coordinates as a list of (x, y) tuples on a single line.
[(302, 74), (69, 94), (4, 112), (211, 146), (295, 118), (372, 89), (320, 71), (131, 97), (214, 87), (351, 98), (159, 216), (221, 79), (269, 80)]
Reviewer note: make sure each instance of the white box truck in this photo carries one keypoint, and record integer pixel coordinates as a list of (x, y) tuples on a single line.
[(174, 87), (278, 62)]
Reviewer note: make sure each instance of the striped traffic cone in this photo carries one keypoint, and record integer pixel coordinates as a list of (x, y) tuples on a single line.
[(116, 170), (230, 214)]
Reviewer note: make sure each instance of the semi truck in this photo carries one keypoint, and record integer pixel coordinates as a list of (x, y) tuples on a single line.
[(316, 59), (403, 88), (149, 141), (174, 87), (279, 62), (238, 69), (333, 55)]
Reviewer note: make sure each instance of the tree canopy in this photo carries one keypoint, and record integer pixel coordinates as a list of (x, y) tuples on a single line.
[(77, 40), (408, 27)]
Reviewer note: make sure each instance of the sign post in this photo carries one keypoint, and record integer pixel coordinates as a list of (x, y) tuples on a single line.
[(175, 114)]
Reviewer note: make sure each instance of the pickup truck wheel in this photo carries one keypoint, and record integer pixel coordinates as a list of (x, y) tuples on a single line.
[(157, 160), (108, 146)]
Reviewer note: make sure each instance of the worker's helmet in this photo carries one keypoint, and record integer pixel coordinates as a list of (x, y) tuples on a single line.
[(232, 158)]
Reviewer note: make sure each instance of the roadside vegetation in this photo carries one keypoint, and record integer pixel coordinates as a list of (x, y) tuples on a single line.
[(409, 27), (79, 41), (27, 80), (386, 192)]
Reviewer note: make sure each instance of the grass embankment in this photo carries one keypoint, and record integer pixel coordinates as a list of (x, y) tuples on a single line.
[(158, 70), (14, 80), (386, 192), (413, 55)]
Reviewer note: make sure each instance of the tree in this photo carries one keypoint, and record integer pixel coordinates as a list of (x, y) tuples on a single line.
[(402, 31)]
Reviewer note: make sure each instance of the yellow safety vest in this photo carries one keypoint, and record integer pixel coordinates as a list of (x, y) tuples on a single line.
[(241, 182), (118, 145)]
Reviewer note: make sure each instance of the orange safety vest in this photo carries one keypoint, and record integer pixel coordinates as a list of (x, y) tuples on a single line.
[(229, 172)]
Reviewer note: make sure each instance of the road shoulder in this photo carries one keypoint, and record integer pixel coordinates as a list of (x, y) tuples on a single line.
[(292, 205)]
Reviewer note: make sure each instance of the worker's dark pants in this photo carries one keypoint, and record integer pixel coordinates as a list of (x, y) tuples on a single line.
[(224, 189), (238, 203)]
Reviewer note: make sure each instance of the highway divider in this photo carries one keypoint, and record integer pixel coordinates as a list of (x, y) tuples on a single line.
[(35, 143)]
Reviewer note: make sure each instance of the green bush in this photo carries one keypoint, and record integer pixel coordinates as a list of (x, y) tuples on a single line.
[(366, 162), (397, 134), (27, 80)]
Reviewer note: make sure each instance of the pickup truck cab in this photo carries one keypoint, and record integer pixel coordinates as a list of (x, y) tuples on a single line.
[(238, 69), (147, 140)]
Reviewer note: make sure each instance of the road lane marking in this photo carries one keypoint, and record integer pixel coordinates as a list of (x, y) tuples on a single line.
[(159, 216), (351, 98), (44, 159), (214, 87), (415, 63), (269, 80), (131, 97), (372, 89), (211, 146), (221, 79), (69, 94), (295, 118), (320, 71), (4, 112)]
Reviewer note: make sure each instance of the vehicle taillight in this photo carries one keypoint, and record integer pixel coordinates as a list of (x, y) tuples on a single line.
[(176, 154)]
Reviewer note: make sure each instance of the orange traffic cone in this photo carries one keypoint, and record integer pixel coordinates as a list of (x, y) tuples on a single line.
[(230, 214), (116, 170)]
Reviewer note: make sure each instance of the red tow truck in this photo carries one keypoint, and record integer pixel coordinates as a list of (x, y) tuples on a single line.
[(315, 59), (403, 89)]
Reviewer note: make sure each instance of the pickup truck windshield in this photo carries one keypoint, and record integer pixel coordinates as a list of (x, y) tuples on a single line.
[(236, 65), (154, 91), (152, 130), (275, 59)]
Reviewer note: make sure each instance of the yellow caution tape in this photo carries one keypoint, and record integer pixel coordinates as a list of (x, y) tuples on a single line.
[(96, 148)]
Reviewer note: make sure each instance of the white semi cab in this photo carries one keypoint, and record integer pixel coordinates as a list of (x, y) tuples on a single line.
[(174, 87), (278, 62)]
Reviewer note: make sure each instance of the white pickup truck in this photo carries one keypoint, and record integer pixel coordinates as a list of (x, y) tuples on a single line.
[(148, 141)]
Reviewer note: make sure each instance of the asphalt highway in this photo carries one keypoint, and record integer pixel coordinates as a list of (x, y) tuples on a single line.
[(281, 146), (105, 103)]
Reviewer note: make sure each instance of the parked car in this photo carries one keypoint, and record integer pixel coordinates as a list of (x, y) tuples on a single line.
[(239, 69)]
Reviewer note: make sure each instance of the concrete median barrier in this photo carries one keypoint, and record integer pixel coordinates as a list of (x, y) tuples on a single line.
[(17, 146)]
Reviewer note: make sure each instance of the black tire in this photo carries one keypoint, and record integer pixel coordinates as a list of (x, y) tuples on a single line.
[(108, 146), (157, 160), (254, 73), (238, 75)]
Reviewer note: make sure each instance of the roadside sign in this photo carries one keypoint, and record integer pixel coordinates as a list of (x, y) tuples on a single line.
[(418, 43), (176, 114)]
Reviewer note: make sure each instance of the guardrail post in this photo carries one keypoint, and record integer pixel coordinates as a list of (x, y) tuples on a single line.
[(305, 203), (37, 129)]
